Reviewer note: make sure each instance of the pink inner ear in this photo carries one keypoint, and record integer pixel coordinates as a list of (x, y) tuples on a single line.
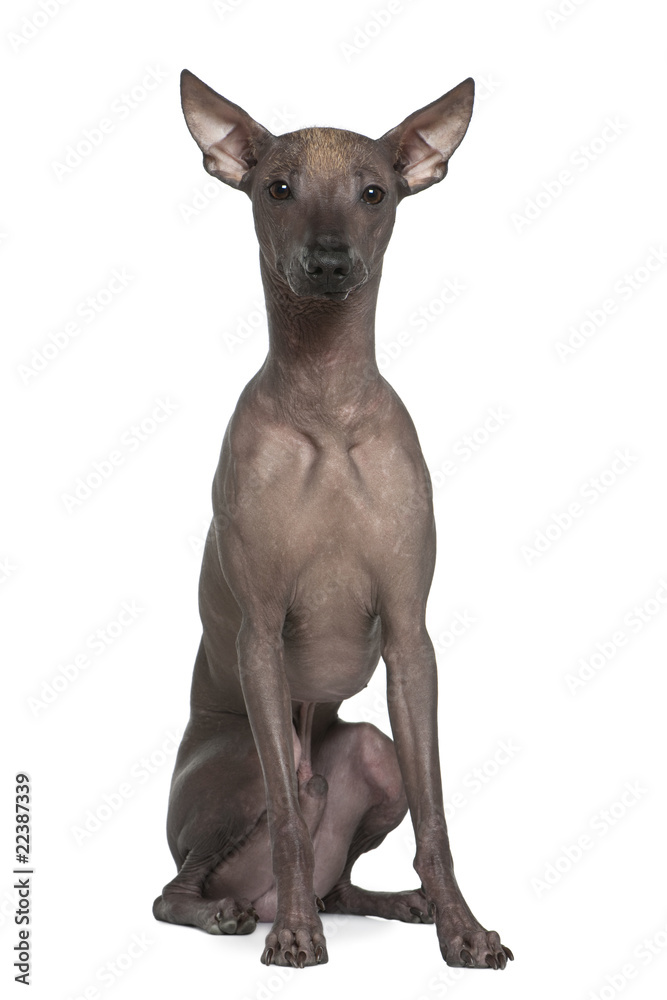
[(422, 162), (428, 138), (223, 131), (231, 155), (429, 168), (220, 162)]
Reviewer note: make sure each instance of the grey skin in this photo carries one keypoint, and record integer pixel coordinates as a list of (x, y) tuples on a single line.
[(318, 562)]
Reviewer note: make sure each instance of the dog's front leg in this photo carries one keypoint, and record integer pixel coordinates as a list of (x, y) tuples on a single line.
[(296, 937), (412, 692)]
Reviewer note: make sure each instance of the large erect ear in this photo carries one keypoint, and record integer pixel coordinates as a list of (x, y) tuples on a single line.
[(424, 142), (227, 136)]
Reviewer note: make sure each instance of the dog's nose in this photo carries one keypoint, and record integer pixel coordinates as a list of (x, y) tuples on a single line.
[(328, 266)]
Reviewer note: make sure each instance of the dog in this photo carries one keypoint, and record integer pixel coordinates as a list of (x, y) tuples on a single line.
[(318, 563)]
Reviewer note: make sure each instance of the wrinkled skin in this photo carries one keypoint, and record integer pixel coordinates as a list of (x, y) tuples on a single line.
[(318, 564)]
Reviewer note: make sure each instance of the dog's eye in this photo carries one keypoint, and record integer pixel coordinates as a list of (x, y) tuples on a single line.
[(279, 190), (372, 195)]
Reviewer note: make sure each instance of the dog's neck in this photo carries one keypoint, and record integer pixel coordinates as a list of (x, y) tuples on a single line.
[(321, 368)]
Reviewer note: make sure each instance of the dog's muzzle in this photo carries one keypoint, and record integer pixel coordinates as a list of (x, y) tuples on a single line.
[(326, 273)]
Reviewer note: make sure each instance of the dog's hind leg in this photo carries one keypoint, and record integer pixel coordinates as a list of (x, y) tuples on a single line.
[(361, 761), (216, 822), (183, 902), (218, 829)]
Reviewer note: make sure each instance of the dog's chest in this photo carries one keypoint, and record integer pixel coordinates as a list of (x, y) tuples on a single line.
[(324, 524)]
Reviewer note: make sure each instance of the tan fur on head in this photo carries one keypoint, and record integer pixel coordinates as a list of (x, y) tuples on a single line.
[(323, 151)]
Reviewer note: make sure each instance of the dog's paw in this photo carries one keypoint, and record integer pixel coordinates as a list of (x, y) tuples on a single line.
[(477, 949), (233, 916), (295, 943)]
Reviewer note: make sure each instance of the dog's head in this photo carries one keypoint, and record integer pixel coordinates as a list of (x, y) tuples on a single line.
[(324, 199)]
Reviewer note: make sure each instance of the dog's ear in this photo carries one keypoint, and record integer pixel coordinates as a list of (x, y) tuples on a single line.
[(228, 137), (424, 142)]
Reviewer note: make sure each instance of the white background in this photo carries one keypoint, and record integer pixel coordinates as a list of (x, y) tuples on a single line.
[(547, 88)]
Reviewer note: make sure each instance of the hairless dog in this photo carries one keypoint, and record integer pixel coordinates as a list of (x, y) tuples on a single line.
[(318, 562)]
